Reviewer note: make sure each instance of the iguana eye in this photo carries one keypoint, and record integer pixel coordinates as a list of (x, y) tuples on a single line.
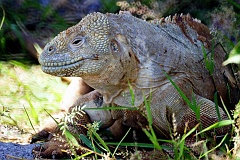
[(78, 41), (114, 46), (51, 49)]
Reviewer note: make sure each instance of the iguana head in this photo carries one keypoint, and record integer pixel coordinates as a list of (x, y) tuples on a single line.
[(92, 51), (79, 50)]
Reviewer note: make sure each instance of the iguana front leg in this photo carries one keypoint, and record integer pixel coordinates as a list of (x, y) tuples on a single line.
[(75, 90), (55, 147), (117, 120)]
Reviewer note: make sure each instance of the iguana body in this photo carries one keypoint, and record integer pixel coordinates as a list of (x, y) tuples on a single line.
[(112, 52)]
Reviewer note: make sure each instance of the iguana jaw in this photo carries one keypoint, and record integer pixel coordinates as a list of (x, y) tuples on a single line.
[(71, 67)]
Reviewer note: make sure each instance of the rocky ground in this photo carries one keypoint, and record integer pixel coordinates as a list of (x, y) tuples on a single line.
[(13, 151), (14, 144)]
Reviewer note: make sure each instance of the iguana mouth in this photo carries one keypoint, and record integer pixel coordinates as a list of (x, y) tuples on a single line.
[(58, 68), (69, 62)]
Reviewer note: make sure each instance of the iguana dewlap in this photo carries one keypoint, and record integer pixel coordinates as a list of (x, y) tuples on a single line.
[(112, 52)]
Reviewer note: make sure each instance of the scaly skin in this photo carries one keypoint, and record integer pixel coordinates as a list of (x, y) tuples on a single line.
[(111, 51)]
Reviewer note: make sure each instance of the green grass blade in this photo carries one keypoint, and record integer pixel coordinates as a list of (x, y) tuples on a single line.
[(144, 145), (151, 135), (197, 112), (148, 108), (19, 64), (88, 143), (217, 125), (189, 133), (225, 109), (165, 140), (121, 141), (237, 5), (153, 139), (29, 119), (33, 111), (92, 141), (214, 147), (132, 94), (101, 141), (111, 108), (84, 155), (181, 148), (209, 63), (181, 93), (205, 150), (38, 48), (3, 18), (51, 116), (216, 106)]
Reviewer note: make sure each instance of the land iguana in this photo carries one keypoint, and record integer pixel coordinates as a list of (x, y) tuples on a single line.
[(115, 52)]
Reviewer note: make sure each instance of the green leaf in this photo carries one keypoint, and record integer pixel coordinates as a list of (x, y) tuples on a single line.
[(234, 56), (86, 141), (71, 138)]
